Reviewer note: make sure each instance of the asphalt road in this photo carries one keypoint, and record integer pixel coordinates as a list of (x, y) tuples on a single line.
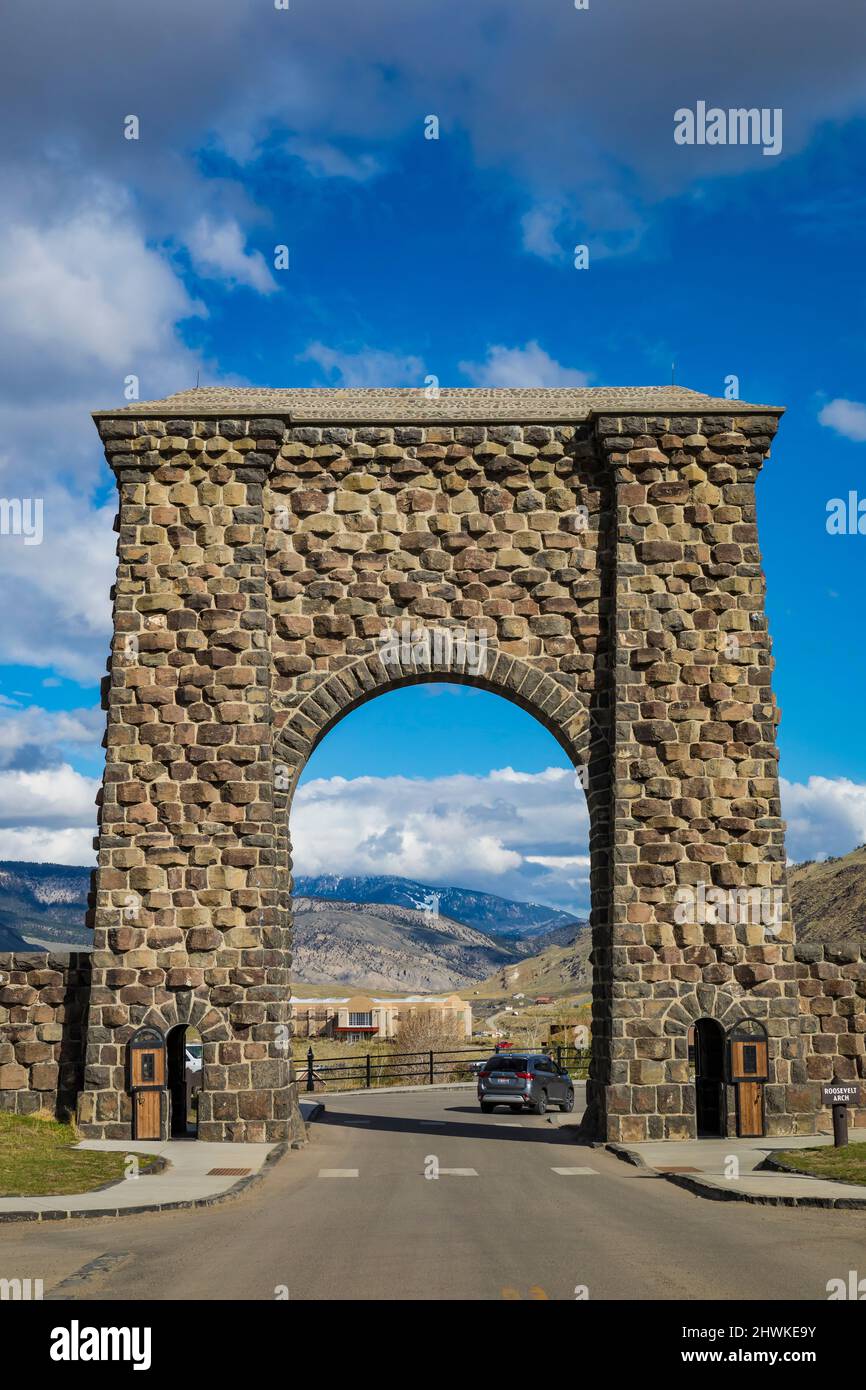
[(353, 1216)]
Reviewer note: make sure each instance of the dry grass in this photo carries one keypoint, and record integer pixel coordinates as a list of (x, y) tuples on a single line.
[(846, 1164), (37, 1158), (388, 1067)]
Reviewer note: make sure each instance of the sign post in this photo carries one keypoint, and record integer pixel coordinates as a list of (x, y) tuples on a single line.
[(840, 1095)]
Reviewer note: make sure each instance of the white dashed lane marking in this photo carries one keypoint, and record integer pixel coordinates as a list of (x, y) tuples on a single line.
[(457, 1172)]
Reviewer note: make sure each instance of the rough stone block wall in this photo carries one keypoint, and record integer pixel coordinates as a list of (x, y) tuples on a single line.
[(43, 1006), (694, 779), (832, 985), (185, 917), (608, 563)]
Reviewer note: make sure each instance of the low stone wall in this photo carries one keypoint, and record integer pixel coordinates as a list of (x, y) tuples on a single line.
[(832, 984), (43, 1004)]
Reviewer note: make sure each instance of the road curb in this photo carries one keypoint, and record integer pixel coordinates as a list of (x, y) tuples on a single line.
[(150, 1208), (627, 1155), (702, 1187)]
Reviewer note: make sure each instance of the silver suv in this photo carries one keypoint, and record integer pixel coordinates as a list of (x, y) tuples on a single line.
[(529, 1080)]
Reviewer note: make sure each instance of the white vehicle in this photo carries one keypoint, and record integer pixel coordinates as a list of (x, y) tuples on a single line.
[(192, 1055)]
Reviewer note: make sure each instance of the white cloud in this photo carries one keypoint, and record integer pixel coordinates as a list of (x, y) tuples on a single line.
[(30, 737), (219, 252), (538, 227), (522, 835), (529, 365), (847, 418), (326, 160), (36, 846), (85, 302), (560, 861), (825, 815), (48, 815), (57, 607), (368, 367), (327, 80), (57, 798), (81, 294)]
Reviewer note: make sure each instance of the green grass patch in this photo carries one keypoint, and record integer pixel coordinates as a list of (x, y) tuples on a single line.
[(847, 1164), (37, 1159)]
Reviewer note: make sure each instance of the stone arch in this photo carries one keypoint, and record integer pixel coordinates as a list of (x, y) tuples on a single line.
[(186, 1010), (606, 543), (552, 703), (711, 1001), (579, 727)]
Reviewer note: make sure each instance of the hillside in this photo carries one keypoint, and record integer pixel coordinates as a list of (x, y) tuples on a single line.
[(486, 912), (559, 970), (44, 903), (828, 899), (381, 939), (383, 946)]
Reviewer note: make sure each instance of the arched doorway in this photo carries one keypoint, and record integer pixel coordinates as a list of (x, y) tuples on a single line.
[(710, 1078), (184, 1057), (579, 729), (387, 806)]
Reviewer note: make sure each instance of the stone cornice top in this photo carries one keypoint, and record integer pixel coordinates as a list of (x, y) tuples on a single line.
[(383, 406)]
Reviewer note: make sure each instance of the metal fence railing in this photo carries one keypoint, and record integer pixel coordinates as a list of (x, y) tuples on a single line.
[(367, 1070)]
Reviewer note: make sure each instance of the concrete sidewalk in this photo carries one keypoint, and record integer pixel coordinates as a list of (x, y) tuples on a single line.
[(704, 1167), (187, 1179)]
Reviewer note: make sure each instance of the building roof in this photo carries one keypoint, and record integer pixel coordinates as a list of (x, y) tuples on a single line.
[(383, 406)]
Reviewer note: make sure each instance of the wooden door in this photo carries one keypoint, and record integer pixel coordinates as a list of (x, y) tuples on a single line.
[(147, 1112), (147, 1066), (749, 1059), (750, 1109)]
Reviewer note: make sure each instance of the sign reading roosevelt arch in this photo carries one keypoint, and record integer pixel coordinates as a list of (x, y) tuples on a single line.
[(591, 555)]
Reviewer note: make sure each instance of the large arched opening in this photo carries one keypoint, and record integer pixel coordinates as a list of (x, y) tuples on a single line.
[(574, 753)]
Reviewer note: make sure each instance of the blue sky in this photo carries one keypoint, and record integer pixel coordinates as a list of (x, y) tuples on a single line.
[(411, 256)]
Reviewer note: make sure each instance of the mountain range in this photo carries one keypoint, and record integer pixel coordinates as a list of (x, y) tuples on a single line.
[(394, 933), (375, 933), (497, 917), (44, 903)]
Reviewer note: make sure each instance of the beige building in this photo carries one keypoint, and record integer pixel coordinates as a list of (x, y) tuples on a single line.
[(359, 1016)]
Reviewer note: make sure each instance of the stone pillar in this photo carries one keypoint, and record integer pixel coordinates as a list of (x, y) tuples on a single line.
[(186, 917), (694, 786)]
